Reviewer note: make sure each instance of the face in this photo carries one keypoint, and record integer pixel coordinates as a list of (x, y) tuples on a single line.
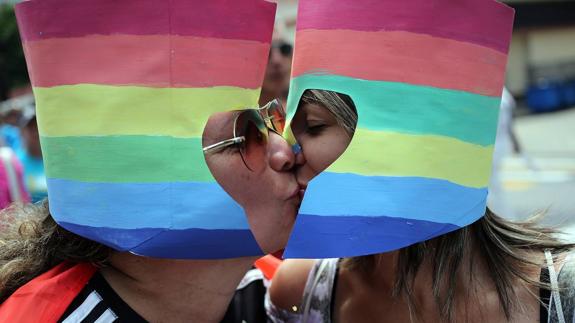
[(321, 138), (32, 138), (269, 193), (279, 67)]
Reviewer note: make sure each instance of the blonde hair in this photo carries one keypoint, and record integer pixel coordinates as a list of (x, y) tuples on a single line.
[(340, 105)]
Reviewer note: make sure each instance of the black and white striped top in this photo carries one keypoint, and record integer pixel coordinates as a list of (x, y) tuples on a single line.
[(99, 303)]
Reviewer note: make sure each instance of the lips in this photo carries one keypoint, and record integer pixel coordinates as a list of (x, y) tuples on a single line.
[(298, 193), (295, 194)]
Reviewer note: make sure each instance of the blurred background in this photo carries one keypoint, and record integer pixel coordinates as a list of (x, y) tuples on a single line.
[(534, 163)]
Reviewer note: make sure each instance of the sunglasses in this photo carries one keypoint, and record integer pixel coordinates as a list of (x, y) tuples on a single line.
[(251, 132), (284, 48)]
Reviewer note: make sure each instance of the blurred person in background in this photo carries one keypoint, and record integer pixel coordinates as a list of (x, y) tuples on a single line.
[(9, 128), (504, 146), (12, 187), (30, 155), (277, 77)]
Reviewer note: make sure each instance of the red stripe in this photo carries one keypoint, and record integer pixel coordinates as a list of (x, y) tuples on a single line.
[(232, 19), (145, 61), (401, 57), (484, 22)]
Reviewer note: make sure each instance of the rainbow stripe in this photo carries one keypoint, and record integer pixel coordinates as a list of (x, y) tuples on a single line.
[(426, 78), (123, 91)]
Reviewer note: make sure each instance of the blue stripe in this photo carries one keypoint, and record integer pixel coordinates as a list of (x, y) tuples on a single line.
[(148, 205), (350, 236), (416, 198), (174, 244)]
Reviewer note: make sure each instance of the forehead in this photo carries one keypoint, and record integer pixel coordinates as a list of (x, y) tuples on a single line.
[(314, 109), (220, 126)]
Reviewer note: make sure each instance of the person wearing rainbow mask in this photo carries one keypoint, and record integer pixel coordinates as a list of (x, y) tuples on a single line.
[(408, 93), (147, 114)]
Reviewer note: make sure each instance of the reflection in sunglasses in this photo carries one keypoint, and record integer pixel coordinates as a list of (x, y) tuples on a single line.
[(251, 131)]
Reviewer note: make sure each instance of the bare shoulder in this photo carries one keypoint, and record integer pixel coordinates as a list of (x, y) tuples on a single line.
[(289, 282)]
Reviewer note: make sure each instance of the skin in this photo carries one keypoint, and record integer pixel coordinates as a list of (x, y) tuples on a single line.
[(270, 195), (167, 290), (276, 80), (321, 138), (32, 138), (361, 297), (355, 294)]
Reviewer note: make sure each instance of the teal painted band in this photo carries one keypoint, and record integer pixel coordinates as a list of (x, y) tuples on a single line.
[(409, 108)]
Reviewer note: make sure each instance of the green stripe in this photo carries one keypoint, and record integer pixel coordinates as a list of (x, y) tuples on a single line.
[(409, 108), (125, 159)]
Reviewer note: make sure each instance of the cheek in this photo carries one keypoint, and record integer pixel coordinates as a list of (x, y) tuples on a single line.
[(230, 172), (322, 151)]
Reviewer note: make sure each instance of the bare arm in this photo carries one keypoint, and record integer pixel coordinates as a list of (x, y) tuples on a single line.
[(288, 284)]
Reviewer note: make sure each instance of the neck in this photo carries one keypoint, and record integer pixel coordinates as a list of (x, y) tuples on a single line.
[(176, 290)]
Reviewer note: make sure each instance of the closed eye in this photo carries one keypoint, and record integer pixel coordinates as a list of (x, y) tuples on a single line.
[(315, 128)]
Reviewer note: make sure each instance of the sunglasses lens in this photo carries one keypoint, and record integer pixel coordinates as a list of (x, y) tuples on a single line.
[(253, 151), (275, 113)]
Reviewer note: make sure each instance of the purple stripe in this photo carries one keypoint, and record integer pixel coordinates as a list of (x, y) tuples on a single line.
[(349, 236), (229, 19), (483, 22), (173, 244)]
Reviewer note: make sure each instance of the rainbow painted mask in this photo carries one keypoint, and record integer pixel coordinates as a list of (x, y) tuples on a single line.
[(426, 78), (124, 90)]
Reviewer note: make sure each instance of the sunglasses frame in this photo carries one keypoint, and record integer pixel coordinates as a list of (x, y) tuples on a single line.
[(264, 123)]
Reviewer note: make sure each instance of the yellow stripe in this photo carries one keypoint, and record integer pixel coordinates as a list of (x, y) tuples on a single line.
[(99, 110), (381, 153)]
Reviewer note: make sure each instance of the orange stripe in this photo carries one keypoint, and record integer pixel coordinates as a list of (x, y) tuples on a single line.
[(400, 56), (144, 61)]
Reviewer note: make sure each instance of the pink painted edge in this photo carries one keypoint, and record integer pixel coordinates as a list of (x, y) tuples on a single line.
[(483, 22), (245, 19)]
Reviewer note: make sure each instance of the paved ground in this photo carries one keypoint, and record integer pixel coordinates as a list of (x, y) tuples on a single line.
[(543, 177)]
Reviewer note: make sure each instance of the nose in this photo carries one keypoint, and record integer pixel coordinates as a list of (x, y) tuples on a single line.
[(299, 157), (275, 57), (281, 156)]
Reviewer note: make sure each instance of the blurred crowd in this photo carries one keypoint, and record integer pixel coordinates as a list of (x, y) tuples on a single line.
[(22, 177)]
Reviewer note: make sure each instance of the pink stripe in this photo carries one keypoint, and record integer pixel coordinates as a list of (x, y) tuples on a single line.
[(145, 61), (400, 56), (232, 19), (483, 22)]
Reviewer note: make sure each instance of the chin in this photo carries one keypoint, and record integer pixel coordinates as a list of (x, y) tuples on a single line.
[(277, 242)]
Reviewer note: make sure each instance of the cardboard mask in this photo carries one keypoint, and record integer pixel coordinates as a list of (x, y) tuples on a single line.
[(123, 90), (426, 78)]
